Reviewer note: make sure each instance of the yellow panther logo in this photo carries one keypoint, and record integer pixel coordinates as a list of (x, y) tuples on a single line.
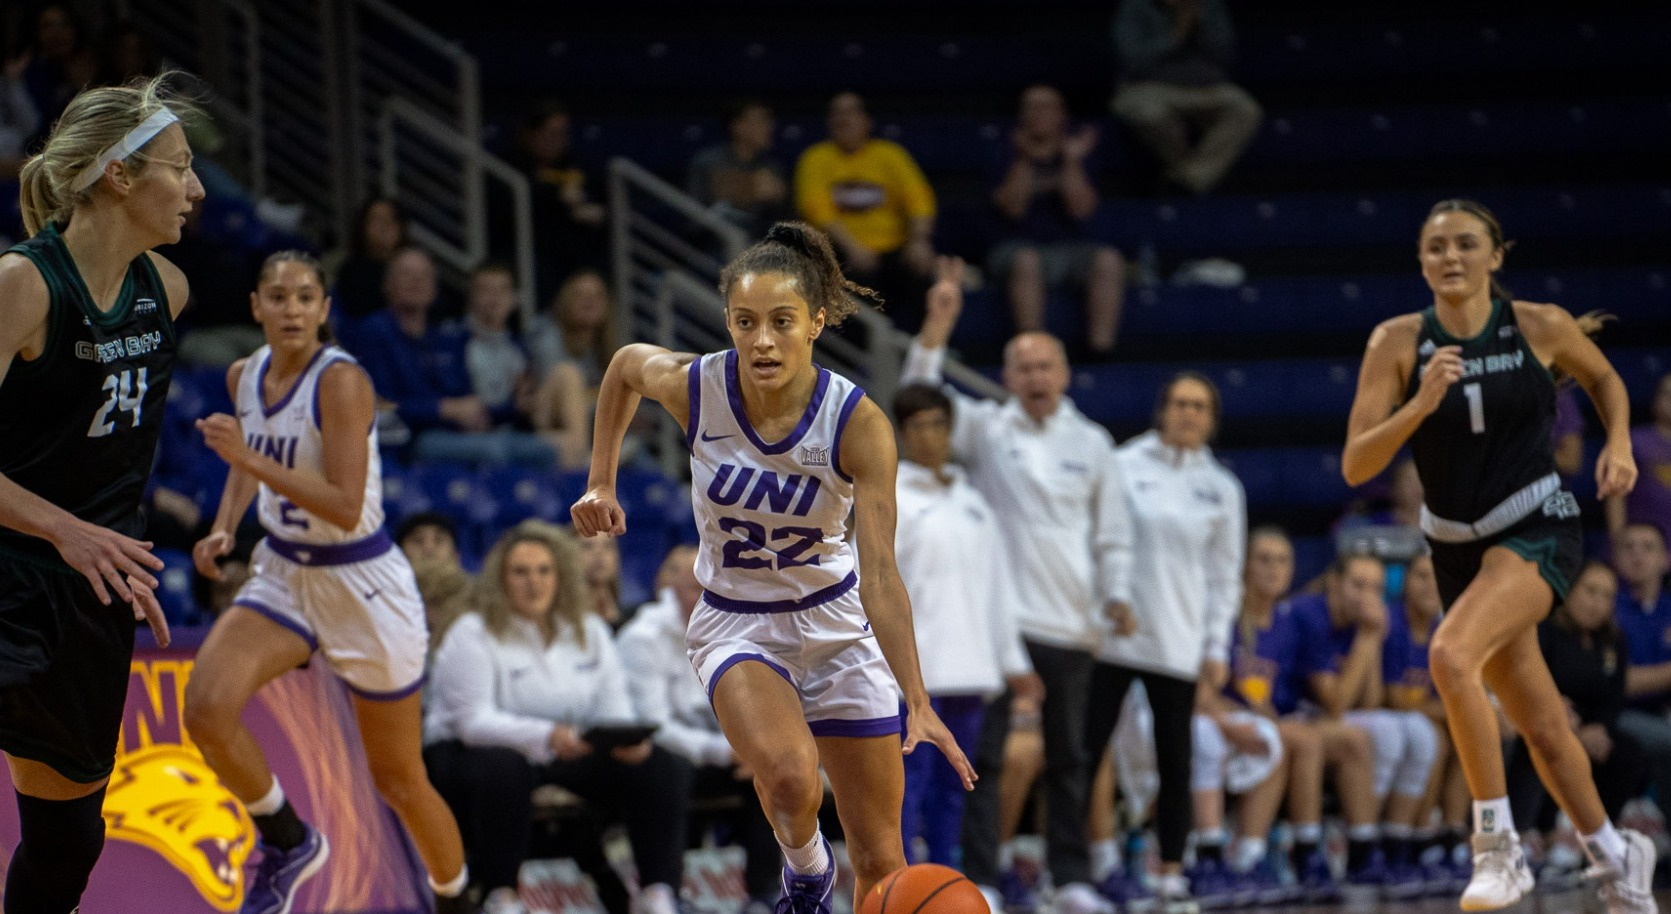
[(164, 797)]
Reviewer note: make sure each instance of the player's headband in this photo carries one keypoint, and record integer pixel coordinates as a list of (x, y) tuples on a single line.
[(126, 146)]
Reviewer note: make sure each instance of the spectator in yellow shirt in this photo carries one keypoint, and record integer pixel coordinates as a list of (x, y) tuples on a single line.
[(873, 201)]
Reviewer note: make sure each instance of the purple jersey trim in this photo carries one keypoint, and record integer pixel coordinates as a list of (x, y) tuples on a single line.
[(319, 554), (734, 393), (876, 726), (734, 659), (841, 426), (694, 421), (339, 356), (286, 621), (261, 382), (395, 695), (816, 598)]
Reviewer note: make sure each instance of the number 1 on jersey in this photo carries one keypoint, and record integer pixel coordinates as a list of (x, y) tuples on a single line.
[(1476, 407)]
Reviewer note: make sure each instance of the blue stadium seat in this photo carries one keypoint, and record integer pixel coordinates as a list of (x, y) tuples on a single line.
[(456, 489), (524, 492), (175, 593)]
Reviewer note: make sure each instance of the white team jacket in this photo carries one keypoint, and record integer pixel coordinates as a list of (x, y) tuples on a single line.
[(664, 686), (1190, 520), (1055, 487), (954, 562), (491, 692)]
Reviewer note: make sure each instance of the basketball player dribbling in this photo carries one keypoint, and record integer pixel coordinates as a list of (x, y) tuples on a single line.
[(794, 647)]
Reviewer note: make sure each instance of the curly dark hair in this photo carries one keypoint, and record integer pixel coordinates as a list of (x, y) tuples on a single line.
[(802, 253)]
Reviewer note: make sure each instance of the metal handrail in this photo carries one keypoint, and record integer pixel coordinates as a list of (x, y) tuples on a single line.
[(478, 161)]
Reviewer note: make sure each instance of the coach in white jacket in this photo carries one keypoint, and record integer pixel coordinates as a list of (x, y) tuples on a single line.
[(513, 688), (953, 560), (666, 692), (1050, 475), (1190, 520)]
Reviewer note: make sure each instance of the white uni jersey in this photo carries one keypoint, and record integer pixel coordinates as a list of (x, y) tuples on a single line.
[(288, 432), (773, 516)]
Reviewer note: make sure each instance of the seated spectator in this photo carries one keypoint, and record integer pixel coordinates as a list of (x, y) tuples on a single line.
[(1278, 656), (1405, 743), (600, 559), (420, 367), (878, 209), (1175, 91), (1650, 442), (429, 540), (1588, 658), (652, 649), (568, 212), (125, 52), (18, 118), (360, 269), (501, 373), (1643, 611), (571, 345), (740, 178), (1046, 197), (428, 537), (513, 689), (60, 63), (1441, 850), (953, 559)]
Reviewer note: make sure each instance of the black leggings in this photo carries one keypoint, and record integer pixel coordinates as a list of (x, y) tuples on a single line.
[(490, 791), (1172, 702)]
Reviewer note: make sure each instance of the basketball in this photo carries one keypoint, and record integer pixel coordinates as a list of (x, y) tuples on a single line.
[(926, 888)]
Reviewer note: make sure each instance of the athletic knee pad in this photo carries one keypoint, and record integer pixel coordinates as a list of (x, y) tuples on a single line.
[(1208, 754), (60, 842)]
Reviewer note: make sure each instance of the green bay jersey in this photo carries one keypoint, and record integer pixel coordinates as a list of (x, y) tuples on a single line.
[(79, 423)]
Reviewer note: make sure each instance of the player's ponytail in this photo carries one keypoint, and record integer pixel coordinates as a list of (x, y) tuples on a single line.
[(799, 251), (99, 126)]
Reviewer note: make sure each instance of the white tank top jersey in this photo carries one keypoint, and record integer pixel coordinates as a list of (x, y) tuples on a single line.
[(773, 517), (288, 432)]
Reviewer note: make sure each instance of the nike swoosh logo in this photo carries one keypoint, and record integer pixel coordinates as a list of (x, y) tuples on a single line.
[(867, 626), (373, 593), (707, 437)]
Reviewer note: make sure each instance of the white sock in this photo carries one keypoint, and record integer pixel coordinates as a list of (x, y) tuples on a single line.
[(1248, 853), (453, 887), (811, 860), (1368, 831), (1397, 831), (1606, 847), (1209, 838), (1105, 858), (1006, 856), (269, 804), (1491, 816), (1309, 832)]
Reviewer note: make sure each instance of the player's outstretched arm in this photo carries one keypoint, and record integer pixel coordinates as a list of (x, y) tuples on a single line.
[(868, 454), (637, 371)]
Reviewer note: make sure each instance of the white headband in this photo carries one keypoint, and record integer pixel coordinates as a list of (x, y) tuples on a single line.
[(127, 146)]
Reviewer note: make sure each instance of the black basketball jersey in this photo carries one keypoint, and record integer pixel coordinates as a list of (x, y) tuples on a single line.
[(79, 423), (1490, 436)]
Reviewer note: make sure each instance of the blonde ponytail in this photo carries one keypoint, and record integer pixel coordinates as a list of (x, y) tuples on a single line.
[(92, 123)]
